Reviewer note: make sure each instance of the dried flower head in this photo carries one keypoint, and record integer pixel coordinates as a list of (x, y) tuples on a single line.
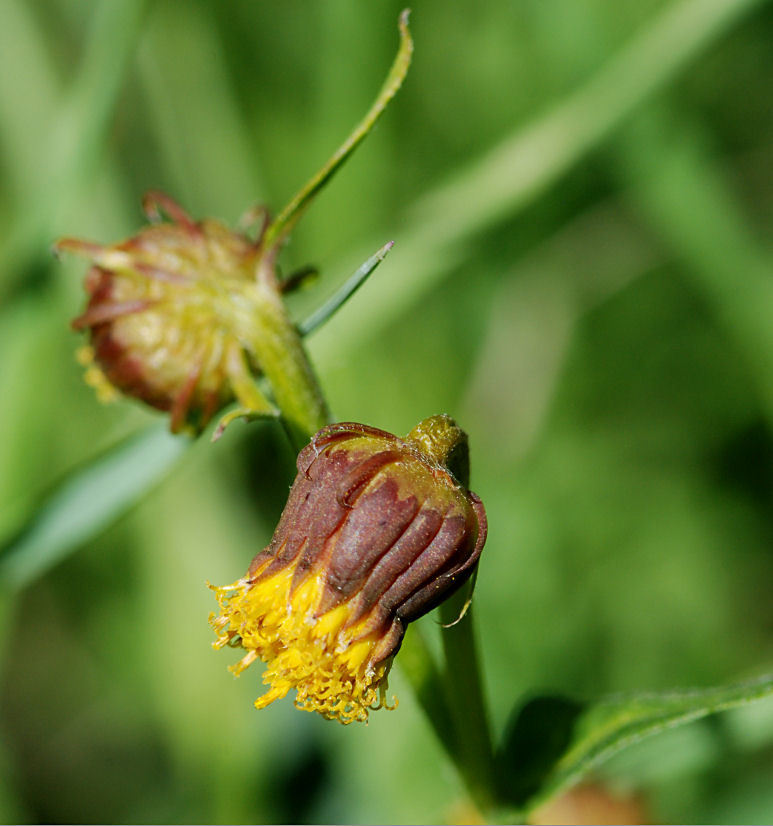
[(376, 532), (186, 314), (171, 314)]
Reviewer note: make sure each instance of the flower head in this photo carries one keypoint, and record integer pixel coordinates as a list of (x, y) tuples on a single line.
[(376, 532), (171, 314), (184, 315)]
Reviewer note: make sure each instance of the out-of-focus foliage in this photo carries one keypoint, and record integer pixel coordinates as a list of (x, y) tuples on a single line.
[(603, 333)]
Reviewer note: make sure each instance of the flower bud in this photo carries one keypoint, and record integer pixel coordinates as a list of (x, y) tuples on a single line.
[(376, 532), (170, 315)]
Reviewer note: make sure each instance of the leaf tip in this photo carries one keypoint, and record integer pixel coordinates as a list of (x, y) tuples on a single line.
[(382, 253)]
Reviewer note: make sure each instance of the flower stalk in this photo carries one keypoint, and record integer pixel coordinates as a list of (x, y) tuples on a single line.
[(472, 749), (473, 744), (282, 357)]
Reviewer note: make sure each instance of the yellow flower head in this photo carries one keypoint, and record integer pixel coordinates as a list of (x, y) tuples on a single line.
[(376, 532)]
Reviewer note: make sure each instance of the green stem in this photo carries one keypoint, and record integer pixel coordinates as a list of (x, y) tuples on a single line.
[(472, 748), (283, 359)]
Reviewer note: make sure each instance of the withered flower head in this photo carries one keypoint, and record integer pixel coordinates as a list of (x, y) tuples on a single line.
[(376, 532), (185, 314), (171, 314)]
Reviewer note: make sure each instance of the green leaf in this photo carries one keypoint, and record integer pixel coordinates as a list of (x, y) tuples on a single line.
[(86, 502), (344, 293), (553, 742), (288, 217)]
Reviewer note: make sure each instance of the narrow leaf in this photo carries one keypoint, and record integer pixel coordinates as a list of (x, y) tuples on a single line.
[(289, 216), (554, 742), (89, 500), (344, 293)]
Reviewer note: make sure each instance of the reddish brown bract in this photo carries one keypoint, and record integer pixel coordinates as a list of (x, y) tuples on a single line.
[(391, 528), (170, 312), (376, 532)]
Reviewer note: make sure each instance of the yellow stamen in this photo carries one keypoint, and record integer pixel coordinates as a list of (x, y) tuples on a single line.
[(317, 656), (93, 375)]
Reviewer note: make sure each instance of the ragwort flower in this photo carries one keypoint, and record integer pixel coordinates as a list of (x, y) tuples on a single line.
[(376, 532)]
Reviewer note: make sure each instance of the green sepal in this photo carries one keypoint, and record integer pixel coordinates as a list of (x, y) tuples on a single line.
[(246, 413)]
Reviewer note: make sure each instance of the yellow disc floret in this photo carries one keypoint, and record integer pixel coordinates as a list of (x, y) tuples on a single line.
[(330, 665)]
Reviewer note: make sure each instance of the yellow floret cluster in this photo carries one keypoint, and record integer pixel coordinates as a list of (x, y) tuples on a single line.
[(327, 663)]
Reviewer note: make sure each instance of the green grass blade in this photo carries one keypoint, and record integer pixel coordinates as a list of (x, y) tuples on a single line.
[(25, 108), (682, 191), (535, 156), (88, 501), (189, 91)]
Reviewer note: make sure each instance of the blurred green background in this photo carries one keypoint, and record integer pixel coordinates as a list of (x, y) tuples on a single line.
[(581, 195)]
